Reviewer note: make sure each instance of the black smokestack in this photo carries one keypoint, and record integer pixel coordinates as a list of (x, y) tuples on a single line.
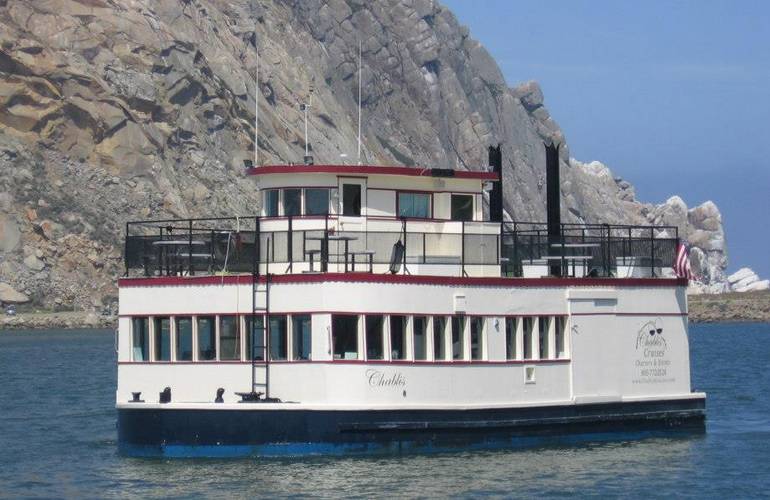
[(496, 195), (553, 199)]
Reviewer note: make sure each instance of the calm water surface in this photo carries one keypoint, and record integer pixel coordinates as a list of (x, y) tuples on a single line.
[(57, 439)]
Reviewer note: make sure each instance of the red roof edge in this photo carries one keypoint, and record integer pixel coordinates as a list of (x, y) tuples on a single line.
[(367, 169)]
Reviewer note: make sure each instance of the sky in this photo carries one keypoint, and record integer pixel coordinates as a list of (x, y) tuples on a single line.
[(673, 96)]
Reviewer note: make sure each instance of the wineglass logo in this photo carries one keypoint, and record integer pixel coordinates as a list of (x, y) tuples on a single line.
[(651, 335)]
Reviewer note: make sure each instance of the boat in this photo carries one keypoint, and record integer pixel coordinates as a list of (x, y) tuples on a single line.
[(380, 309)]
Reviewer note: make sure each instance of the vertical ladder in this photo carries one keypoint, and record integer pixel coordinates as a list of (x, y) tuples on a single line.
[(260, 308)]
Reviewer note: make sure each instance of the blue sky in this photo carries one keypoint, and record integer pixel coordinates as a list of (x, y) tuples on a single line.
[(673, 96)]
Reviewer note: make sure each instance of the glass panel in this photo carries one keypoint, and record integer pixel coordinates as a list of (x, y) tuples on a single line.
[(439, 339), (374, 348), (462, 207), (229, 338), (258, 334), (271, 203), (420, 338), (398, 337), (458, 337), (414, 205), (543, 337), (316, 201), (292, 202), (184, 339), (528, 325), (477, 338), (300, 336), (140, 339), (351, 200), (162, 339), (510, 338), (207, 342), (561, 352), (345, 336), (277, 330)]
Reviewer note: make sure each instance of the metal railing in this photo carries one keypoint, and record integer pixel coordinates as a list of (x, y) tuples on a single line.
[(187, 247)]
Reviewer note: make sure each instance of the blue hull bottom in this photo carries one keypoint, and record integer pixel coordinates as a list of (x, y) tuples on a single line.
[(277, 432)]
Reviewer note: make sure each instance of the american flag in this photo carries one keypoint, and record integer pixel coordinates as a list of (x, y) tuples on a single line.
[(682, 261)]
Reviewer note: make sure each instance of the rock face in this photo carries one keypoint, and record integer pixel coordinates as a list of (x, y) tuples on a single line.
[(746, 280), (111, 111), (10, 296)]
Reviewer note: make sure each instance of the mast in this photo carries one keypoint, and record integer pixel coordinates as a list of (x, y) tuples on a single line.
[(256, 106), (359, 102)]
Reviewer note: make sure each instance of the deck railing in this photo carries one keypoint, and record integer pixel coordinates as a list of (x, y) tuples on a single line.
[(185, 247)]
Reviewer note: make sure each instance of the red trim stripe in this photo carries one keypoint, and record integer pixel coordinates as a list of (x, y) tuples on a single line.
[(359, 362), (364, 169), (245, 279)]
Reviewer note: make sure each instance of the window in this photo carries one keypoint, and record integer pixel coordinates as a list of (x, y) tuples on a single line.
[(140, 338), (277, 332), (292, 202), (255, 337), (477, 338), (374, 348), (510, 338), (561, 350), (439, 338), (271, 203), (462, 207), (162, 339), (458, 334), (229, 338), (317, 201), (184, 337), (398, 337), (345, 336), (414, 205), (420, 338), (528, 324), (543, 336), (351, 200), (300, 336), (207, 342)]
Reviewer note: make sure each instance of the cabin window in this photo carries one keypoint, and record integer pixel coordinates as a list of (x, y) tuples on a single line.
[(543, 336), (162, 339), (316, 201), (271, 203), (528, 324), (292, 202), (207, 340), (229, 338), (414, 205), (561, 350), (477, 338), (184, 339), (140, 339), (420, 338), (458, 337), (255, 337), (510, 338), (374, 348), (351, 200), (462, 207), (398, 337), (300, 336), (345, 336), (439, 338), (277, 331)]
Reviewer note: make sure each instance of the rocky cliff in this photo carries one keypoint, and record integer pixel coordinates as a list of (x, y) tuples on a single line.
[(113, 110)]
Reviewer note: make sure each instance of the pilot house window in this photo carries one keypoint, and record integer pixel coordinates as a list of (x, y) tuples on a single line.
[(316, 201), (271, 203), (351, 200), (292, 202), (415, 205), (462, 207)]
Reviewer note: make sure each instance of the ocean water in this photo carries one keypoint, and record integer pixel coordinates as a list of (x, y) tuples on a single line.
[(57, 439)]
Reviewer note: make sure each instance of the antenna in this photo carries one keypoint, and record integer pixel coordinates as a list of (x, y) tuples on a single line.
[(308, 160), (359, 102), (256, 105)]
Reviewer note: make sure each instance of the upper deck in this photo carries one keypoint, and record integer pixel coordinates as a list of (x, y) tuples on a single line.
[(362, 219)]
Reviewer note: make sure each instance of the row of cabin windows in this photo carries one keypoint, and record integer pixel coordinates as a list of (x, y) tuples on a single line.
[(292, 202), (219, 338), (394, 337)]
